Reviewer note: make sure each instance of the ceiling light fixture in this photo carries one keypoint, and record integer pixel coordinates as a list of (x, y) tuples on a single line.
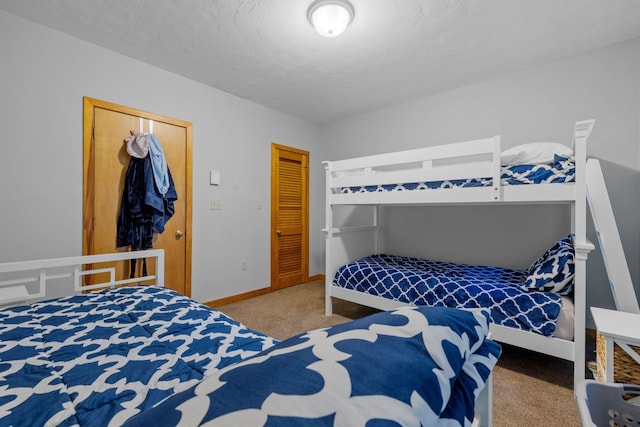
[(330, 17)]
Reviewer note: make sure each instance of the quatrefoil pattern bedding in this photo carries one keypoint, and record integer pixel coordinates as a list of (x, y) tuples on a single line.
[(436, 283), (411, 367), (102, 357), (562, 170), (554, 270)]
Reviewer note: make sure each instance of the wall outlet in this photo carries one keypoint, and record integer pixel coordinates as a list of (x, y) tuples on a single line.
[(243, 264), (216, 205)]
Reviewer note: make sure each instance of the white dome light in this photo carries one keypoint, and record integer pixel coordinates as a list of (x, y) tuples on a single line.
[(330, 17)]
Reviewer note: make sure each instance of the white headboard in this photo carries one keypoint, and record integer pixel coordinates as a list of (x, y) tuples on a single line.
[(16, 276)]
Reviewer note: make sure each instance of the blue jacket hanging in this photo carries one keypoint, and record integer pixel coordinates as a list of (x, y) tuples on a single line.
[(159, 164), (162, 205), (143, 210)]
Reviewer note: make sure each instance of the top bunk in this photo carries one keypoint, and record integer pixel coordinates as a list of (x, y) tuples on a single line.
[(464, 172)]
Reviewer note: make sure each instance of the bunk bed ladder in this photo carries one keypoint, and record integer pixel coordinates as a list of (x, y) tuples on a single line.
[(609, 239)]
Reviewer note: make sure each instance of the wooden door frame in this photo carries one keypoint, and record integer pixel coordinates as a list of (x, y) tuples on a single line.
[(88, 168), (305, 247)]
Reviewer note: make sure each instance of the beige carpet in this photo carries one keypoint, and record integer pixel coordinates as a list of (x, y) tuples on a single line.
[(529, 389)]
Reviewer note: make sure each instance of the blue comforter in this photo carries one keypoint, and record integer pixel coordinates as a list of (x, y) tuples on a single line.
[(437, 283), (102, 357), (411, 367), (562, 170), (147, 356)]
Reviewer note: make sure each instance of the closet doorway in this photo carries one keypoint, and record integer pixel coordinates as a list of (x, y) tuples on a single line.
[(289, 216), (105, 127)]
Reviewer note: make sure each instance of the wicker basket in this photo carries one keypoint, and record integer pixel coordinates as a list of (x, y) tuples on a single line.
[(625, 369)]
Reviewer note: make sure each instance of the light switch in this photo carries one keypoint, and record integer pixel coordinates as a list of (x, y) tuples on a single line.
[(214, 177)]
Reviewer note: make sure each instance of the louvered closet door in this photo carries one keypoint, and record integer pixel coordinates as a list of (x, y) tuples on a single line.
[(289, 216)]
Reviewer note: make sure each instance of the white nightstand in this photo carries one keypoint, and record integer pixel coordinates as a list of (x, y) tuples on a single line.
[(617, 327)]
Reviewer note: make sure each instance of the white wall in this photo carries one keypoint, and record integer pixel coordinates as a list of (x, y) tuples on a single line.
[(43, 78), (537, 104), (45, 74)]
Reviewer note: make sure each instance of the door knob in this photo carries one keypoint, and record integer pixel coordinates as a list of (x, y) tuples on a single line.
[(179, 234), (278, 232)]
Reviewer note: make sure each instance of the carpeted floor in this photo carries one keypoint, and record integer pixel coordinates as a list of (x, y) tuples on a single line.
[(529, 389)]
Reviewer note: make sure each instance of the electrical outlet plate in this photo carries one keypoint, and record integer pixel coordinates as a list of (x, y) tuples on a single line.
[(214, 177)]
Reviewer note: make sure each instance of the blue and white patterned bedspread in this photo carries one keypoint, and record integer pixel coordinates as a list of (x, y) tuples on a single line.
[(562, 170), (100, 358), (416, 366), (436, 283)]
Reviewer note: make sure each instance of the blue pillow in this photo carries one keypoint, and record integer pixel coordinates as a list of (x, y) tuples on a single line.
[(554, 270)]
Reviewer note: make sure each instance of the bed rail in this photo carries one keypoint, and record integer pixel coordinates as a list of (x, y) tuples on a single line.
[(463, 160), (31, 277)]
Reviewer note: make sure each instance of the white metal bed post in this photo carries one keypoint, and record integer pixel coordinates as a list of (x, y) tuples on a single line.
[(582, 248), (328, 253)]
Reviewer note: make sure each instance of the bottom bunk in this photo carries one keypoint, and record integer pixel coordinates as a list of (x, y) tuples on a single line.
[(530, 308), (135, 355)]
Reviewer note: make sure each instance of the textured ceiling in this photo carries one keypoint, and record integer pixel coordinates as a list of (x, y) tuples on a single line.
[(394, 51)]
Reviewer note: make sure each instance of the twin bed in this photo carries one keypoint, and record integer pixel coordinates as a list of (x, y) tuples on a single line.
[(541, 308), (131, 352)]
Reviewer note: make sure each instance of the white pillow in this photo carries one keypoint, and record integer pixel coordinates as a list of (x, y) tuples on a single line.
[(534, 153)]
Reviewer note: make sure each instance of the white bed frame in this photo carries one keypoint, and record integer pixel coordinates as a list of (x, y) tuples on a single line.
[(31, 277), (470, 159)]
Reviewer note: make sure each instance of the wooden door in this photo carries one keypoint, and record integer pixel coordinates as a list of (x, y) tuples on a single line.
[(289, 216), (106, 125)]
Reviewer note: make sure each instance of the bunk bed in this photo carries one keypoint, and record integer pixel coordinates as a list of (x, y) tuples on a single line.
[(466, 173), (122, 350)]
